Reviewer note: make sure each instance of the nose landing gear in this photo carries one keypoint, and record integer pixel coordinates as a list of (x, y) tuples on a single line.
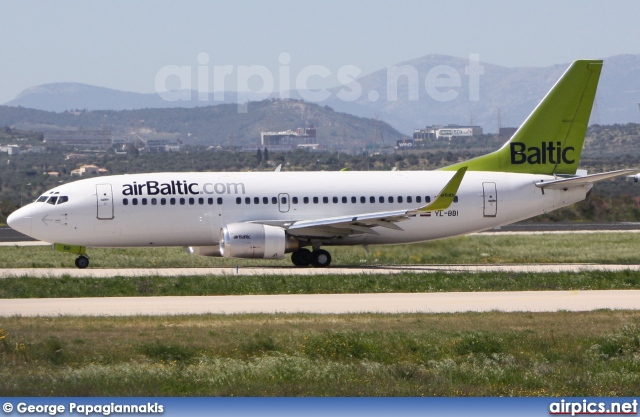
[(82, 262)]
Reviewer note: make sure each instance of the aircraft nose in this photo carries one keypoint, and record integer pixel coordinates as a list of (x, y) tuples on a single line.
[(20, 220)]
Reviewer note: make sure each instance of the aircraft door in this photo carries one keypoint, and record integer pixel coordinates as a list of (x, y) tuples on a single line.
[(490, 199), (283, 202), (104, 198)]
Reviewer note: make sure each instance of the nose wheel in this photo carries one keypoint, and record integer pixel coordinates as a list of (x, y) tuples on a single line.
[(82, 262), (319, 258)]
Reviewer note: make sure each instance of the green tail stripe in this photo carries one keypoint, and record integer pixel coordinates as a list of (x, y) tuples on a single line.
[(550, 140)]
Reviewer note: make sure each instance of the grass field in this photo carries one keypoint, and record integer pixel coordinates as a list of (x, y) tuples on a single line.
[(323, 284), (472, 249), (468, 354), (471, 354)]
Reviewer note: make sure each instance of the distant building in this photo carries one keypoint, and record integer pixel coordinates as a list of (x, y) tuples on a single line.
[(11, 149), (507, 132), (79, 139), (296, 137), (89, 170), (447, 132)]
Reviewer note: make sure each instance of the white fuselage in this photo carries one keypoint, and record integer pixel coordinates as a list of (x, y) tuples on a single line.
[(189, 209)]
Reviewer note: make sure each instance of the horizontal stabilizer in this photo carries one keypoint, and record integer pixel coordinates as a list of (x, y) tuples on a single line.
[(566, 183)]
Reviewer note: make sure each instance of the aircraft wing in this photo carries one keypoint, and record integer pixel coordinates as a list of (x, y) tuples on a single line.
[(566, 183), (364, 223)]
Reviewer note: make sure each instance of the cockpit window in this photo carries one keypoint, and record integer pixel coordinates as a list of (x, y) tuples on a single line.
[(42, 199), (63, 199), (52, 200)]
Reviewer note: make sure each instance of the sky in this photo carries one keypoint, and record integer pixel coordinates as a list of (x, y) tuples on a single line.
[(125, 45)]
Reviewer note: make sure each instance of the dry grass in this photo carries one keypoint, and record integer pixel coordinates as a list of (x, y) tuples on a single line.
[(569, 354)]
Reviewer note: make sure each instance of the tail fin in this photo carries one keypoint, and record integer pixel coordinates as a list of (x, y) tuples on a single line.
[(550, 140)]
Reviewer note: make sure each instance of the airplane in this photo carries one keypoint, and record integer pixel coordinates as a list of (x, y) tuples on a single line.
[(269, 214)]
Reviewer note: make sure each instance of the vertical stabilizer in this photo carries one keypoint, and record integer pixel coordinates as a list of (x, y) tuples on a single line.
[(550, 140)]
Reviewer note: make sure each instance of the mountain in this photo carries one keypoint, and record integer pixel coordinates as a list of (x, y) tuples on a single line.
[(59, 97), (222, 124), (505, 96)]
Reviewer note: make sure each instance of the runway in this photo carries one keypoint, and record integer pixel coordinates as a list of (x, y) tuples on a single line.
[(530, 301)]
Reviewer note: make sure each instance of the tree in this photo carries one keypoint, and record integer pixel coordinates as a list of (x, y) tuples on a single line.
[(266, 154), (259, 155)]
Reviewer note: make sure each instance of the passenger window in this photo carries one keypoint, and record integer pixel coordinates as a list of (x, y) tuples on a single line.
[(381, 199), (265, 200), (210, 201), (363, 199), (182, 201), (125, 201), (390, 199), (219, 200), (294, 200), (172, 201), (335, 199), (399, 199), (418, 199), (325, 200), (372, 199), (200, 200), (455, 199), (134, 201), (305, 200), (256, 200), (247, 200), (315, 200), (344, 200), (274, 200), (154, 201), (238, 200), (283, 200), (427, 199), (163, 201), (192, 201), (52, 200), (409, 199), (63, 199), (354, 199), (144, 201)]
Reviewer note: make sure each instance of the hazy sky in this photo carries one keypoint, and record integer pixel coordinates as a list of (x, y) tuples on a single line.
[(124, 44)]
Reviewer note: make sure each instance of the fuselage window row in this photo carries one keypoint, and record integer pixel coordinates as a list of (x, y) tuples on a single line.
[(173, 201), (256, 200)]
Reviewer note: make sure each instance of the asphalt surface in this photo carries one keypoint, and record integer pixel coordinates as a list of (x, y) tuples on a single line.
[(453, 302)]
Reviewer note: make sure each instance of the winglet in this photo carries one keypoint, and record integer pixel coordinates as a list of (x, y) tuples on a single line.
[(448, 193)]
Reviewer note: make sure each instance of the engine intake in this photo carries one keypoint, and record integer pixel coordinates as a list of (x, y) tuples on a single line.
[(249, 240)]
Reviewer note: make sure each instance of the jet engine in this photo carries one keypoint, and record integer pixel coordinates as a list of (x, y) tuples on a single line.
[(250, 240)]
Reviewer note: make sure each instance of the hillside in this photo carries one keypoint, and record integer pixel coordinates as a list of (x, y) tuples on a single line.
[(505, 96), (216, 125)]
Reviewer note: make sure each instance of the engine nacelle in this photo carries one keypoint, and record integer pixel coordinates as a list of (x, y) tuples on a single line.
[(203, 250), (249, 240)]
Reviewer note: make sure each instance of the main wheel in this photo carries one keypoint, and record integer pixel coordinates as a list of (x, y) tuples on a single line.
[(82, 262), (320, 258), (301, 257)]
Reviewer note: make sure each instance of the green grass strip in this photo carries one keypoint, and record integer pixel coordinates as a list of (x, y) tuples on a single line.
[(325, 284)]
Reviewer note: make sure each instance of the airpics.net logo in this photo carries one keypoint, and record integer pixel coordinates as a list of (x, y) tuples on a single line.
[(257, 82)]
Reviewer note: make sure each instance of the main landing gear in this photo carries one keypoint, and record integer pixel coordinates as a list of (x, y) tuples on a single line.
[(319, 258), (82, 262)]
